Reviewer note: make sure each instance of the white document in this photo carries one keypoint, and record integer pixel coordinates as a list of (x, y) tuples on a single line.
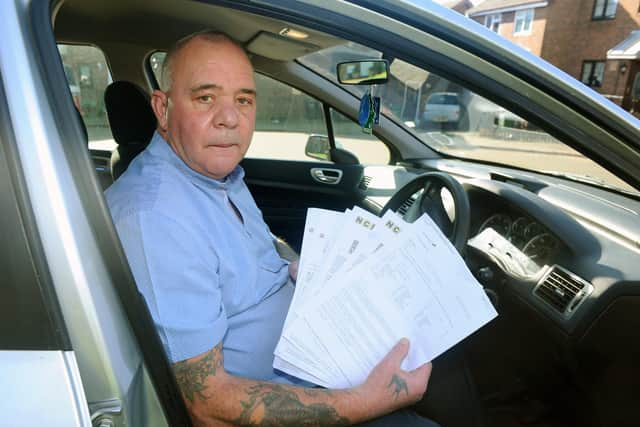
[(321, 229), (409, 284), (356, 227)]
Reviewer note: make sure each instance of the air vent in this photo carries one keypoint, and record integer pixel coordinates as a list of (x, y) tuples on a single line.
[(406, 205), (365, 182), (562, 290)]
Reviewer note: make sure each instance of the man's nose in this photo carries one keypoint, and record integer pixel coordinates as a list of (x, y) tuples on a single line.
[(227, 114)]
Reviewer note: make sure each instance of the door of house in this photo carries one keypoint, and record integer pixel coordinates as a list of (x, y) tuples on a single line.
[(635, 95)]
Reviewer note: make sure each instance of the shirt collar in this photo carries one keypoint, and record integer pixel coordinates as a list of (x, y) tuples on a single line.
[(160, 147)]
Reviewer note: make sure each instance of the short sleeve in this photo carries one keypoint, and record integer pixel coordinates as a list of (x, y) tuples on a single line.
[(176, 272)]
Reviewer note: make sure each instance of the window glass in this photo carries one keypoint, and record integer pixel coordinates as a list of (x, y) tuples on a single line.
[(455, 121), (285, 119), (88, 76), (349, 136), (492, 22), (524, 19), (604, 9), (592, 73)]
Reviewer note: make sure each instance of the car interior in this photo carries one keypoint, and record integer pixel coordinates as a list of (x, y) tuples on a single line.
[(557, 256)]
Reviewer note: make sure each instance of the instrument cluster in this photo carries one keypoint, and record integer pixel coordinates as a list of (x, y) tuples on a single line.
[(533, 239)]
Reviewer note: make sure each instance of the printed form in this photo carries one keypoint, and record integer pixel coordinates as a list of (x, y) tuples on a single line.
[(391, 280)]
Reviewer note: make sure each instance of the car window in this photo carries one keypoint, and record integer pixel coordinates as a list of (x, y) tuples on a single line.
[(456, 121), (285, 119), (349, 136), (88, 76)]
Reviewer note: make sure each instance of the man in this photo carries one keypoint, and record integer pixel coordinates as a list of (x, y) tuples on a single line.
[(205, 262)]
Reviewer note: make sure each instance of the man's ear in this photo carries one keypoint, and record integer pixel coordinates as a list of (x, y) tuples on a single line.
[(160, 105)]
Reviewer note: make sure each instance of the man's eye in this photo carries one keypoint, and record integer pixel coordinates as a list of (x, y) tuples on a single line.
[(205, 98), (245, 101)]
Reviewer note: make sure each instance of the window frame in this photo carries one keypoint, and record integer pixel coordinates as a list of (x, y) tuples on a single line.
[(593, 63), (524, 31), (32, 315), (492, 19), (603, 16)]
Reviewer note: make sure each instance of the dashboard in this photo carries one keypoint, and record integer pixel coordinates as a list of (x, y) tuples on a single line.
[(559, 261), (525, 233), (565, 250)]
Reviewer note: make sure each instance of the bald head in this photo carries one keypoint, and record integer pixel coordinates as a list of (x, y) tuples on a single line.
[(206, 110), (173, 54)]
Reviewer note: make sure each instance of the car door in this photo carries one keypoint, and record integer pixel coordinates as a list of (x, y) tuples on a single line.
[(304, 154), (37, 363)]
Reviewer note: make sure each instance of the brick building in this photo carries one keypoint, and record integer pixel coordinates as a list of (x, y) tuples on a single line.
[(596, 41), (460, 6)]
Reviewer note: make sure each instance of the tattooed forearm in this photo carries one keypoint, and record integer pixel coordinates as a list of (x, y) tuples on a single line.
[(315, 392), (274, 405), (398, 385), (191, 376)]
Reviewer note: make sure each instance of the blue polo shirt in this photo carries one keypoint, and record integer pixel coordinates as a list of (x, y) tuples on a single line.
[(207, 275)]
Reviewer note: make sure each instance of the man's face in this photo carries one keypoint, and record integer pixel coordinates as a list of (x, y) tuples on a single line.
[(208, 114)]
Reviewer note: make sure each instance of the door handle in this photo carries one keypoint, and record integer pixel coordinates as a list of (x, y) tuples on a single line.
[(326, 175)]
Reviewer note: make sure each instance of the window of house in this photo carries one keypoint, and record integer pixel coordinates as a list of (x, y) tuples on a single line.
[(492, 22), (592, 73), (88, 76), (604, 9), (523, 22)]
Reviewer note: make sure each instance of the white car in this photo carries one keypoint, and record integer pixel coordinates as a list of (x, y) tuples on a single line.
[(442, 107)]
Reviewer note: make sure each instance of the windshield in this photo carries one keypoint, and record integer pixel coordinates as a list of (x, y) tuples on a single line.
[(458, 122)]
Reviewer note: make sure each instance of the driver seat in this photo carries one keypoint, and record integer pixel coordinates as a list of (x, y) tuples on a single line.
[(132, 122)]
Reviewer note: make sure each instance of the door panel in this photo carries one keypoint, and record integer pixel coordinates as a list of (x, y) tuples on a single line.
[(284, 190)]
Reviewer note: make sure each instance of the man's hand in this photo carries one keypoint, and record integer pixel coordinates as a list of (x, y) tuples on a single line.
[(214, 397), (388, 387), (293, 270)]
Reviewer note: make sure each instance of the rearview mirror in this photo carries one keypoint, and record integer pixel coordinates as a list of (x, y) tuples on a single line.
[(367, 72)]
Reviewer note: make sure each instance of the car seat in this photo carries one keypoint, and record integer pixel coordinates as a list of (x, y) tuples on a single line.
[(132, 122)]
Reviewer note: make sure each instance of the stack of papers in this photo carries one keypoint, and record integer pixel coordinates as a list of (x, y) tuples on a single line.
[(363, 283)]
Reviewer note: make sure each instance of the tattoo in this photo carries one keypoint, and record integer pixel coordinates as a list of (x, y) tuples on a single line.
[(399, 385), (192, 376), (315, 392), (277, 406)]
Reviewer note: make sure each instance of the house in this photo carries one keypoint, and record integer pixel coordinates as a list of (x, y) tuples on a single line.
[(460, 6), (596, 41)]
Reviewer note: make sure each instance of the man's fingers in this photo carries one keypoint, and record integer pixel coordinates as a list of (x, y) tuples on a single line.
[(398, 352)]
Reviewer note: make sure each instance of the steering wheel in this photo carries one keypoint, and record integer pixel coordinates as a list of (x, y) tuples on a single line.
[(430, 201)]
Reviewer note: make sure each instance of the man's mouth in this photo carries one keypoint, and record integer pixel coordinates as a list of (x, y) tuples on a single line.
[(222, 145)]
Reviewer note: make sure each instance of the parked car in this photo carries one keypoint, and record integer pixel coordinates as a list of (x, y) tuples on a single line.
[(442, 107), (560, 206)]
